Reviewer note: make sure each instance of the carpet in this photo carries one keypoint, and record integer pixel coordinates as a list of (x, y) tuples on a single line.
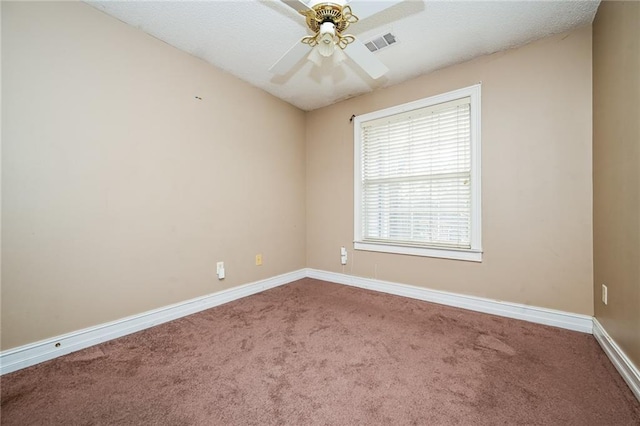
[(316, 353)]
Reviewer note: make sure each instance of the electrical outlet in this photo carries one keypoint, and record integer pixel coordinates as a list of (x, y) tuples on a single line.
[(604, 294), (258, 259)]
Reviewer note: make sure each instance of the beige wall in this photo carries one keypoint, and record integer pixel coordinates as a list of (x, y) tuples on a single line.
[(536, 179), (616, 171), (120, 189)]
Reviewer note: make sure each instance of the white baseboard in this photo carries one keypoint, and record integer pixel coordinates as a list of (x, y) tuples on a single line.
[(34, 353), (534, 314), (619, 359)]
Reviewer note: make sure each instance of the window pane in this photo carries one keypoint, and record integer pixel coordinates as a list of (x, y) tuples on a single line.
[(416, 172)]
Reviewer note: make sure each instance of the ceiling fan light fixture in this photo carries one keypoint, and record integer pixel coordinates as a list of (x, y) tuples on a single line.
[(326, 48), (327, 39)]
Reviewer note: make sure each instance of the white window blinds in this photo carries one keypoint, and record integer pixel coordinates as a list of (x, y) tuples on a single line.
[(416, 177)]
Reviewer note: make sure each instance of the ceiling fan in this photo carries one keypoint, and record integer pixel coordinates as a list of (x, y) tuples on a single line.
[(328, 19)]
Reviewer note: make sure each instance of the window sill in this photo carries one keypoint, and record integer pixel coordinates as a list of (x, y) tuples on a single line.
[(453, 254)]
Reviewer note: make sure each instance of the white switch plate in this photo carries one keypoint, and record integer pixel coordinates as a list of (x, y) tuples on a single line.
[(220, 270), (604, 294)]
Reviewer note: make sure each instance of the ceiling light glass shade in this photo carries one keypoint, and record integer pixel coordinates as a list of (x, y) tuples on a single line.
[(326, 47), (326, 41)]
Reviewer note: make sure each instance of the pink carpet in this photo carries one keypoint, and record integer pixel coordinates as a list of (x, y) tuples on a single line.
[(315, 353)]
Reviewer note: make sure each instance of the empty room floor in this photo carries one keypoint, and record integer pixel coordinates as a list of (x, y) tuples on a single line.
[(313, 352)]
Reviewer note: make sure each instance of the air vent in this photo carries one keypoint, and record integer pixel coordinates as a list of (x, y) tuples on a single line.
[(381, 42)]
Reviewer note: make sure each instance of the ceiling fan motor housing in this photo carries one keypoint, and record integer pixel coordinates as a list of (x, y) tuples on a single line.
[(320, 13)]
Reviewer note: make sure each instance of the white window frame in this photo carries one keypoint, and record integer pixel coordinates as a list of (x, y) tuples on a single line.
[(475, 252)]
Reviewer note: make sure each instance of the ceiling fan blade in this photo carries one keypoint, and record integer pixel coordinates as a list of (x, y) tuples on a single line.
[(366, 60), (289, 59), (365, 8), (298, 5)]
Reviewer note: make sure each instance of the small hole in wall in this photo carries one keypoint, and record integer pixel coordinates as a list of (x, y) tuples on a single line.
[(58, 345), (198, 98)]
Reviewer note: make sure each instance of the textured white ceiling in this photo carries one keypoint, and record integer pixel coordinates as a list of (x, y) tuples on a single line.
[(246, 37)]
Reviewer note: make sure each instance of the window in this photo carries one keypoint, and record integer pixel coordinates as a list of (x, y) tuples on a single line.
[(417, 178)]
